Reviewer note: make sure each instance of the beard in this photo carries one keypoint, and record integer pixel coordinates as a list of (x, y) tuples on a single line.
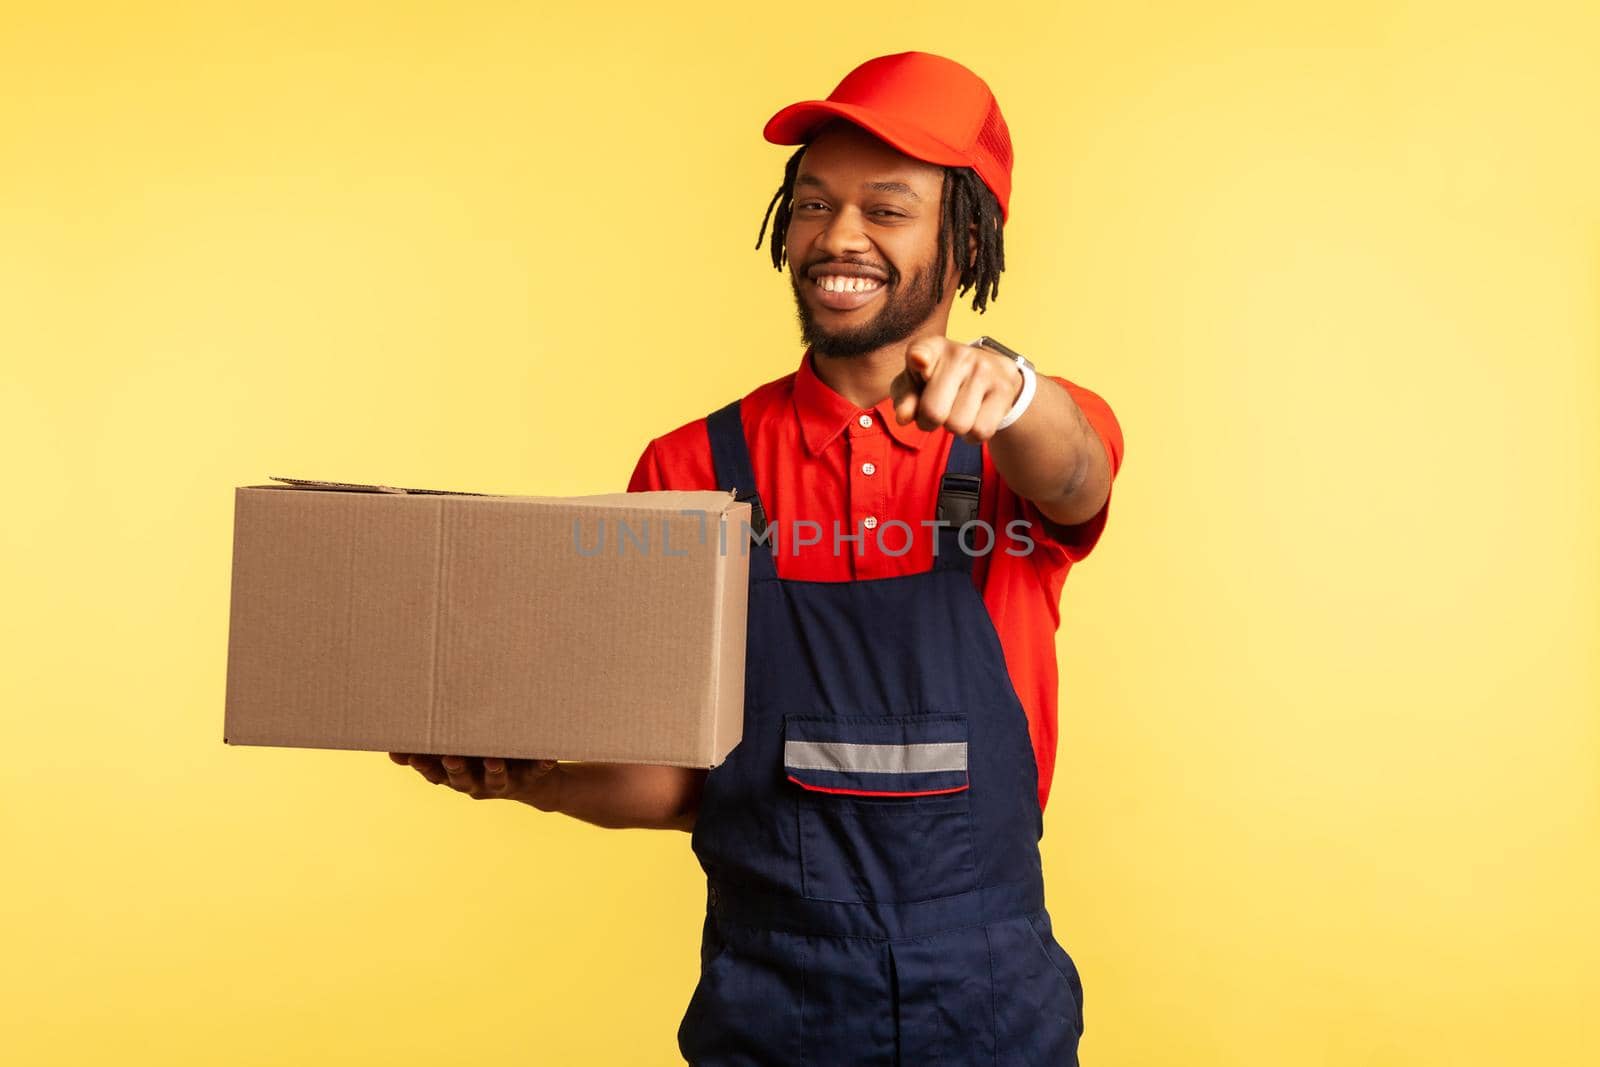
[(901, 314)]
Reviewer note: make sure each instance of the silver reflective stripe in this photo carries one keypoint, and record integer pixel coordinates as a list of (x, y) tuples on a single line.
[(875, 759)]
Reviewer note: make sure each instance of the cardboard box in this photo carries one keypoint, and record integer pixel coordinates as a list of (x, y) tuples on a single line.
[(409, 620)]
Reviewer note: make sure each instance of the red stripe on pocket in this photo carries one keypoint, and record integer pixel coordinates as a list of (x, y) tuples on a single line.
[(875, 792)]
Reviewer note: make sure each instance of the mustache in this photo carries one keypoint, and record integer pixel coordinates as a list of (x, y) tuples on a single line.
[(884, 272)]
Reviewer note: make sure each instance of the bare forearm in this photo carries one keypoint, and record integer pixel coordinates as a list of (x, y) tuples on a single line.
[(622, 795), (1053, 457)]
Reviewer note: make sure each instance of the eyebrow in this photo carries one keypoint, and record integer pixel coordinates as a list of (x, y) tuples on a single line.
[(877, 187)]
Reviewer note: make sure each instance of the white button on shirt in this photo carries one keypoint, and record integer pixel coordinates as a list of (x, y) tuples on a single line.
[(868, 469), (864, 420), (870, 522)]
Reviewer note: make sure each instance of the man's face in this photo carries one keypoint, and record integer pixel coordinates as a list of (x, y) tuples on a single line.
[(866, 223)]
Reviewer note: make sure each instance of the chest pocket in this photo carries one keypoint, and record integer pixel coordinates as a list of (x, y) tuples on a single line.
[(883, 806)]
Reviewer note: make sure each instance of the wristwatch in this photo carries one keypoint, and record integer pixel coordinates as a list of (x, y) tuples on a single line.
[(1030, 381)]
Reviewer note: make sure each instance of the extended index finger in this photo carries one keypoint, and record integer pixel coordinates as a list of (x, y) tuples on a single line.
[(903, 392), (922, 358)]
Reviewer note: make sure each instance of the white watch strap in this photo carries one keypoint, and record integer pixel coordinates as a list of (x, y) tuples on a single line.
[(1030, 383)]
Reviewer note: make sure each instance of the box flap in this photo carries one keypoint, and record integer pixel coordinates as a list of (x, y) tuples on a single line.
[(713, 501), (357, 487)]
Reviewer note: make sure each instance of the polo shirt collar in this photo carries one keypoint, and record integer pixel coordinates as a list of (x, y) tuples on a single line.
[(824, 414)]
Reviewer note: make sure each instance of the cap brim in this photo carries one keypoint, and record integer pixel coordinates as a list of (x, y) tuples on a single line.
[(794, 123)]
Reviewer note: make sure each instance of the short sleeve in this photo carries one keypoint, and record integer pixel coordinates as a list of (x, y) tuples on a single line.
[(680, 459), (1079, 539), (647, 473)]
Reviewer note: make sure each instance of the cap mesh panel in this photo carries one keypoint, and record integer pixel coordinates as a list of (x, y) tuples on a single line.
[(994, 137)]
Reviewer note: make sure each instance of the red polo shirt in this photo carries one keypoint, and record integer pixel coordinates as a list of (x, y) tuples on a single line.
[(818, 457)]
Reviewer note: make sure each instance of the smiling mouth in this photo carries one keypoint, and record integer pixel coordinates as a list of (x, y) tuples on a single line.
[(844, 292)]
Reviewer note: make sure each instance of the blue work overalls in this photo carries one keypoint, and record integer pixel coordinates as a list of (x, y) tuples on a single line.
[(874, 892)]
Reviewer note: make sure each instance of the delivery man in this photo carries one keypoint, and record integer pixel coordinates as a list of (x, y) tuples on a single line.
[(874, 890)]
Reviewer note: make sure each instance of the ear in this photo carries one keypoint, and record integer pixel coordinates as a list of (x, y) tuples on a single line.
[(972, 245)]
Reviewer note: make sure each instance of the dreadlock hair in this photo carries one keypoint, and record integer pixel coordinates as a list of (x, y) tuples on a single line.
[(965, 200)]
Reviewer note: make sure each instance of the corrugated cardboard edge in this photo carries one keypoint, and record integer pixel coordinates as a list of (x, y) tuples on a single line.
[(731, 643), (230, 682)]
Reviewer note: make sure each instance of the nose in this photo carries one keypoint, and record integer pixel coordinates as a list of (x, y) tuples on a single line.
[(843, 235)]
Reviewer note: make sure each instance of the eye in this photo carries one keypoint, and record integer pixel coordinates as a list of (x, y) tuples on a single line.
[(809, 204), (890, 214)]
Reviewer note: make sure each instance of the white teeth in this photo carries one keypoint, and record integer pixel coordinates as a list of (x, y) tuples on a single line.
[(837, 283)]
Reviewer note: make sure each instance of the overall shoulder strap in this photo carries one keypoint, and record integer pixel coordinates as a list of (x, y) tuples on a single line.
[(959, 490), (730, 457)]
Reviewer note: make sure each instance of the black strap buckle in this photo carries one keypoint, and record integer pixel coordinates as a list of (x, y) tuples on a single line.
[(958, 499), (758, 514)]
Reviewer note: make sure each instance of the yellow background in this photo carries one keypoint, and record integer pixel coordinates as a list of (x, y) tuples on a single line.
[(1329, 779)]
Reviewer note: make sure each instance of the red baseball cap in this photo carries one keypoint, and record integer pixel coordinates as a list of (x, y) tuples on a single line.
[(929, 107)]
